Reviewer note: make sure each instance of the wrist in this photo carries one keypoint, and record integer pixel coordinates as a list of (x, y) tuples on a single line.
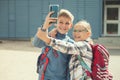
[(48, 40), (43, 28)]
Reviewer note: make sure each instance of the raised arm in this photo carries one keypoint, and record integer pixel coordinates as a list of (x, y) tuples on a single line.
[(37, 41), (67, 47)]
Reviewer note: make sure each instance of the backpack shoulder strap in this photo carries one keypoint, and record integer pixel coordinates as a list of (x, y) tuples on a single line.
[(83, 64), (45, 52)]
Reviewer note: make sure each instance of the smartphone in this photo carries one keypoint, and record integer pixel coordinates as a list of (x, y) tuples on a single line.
[(55, 8)]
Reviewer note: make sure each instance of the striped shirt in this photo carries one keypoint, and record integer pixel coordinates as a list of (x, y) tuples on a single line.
[(81, 48)]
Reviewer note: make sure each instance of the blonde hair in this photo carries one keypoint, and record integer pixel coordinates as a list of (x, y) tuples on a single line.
[(66, 13), (86, 25)]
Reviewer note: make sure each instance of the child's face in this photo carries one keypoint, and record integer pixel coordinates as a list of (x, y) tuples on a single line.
[(80, 33), (64, 24)]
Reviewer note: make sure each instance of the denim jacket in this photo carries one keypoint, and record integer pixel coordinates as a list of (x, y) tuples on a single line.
[(57, 66)]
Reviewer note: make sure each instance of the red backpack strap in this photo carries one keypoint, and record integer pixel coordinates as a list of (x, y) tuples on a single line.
[(44, 68), (44, 56)]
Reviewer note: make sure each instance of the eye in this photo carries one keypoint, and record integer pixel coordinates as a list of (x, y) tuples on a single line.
[(79, 30), (75, 30), (67, 23), (61, 22)]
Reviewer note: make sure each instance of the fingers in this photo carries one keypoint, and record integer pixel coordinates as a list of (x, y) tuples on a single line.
[(52, 20), (50, 13), (49, 20), (55, 25), (53, 33), (55, 30)]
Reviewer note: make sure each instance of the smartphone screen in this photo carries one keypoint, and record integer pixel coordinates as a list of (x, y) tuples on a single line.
[(55, 8)]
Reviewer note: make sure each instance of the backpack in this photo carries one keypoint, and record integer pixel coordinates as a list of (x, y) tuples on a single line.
[(43, 61), (99, 68)]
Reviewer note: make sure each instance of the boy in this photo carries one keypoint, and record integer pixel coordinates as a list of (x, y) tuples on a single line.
[(82, 34), (58, 62)]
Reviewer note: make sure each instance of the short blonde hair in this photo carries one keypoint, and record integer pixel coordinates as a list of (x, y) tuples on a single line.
[(85, 24), (66, 13)]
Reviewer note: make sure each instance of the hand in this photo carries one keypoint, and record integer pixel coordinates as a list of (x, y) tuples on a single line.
[(49, 20), (53, 32)]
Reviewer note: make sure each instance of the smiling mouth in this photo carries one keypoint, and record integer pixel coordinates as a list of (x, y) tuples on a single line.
[(77, 37), (62, 29)]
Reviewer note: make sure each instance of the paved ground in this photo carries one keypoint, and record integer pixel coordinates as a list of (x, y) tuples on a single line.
[(18, 61)]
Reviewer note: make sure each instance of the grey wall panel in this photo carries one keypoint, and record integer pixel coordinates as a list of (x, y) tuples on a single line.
[(22, 18), (12, 19), (35, 16), (3, 18), (93, 14)]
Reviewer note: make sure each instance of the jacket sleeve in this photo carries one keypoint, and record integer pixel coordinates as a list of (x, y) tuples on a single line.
[(67, 47), (81, 48), (38, 42)]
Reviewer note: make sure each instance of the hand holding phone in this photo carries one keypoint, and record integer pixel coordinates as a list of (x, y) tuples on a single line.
[(55, 8)]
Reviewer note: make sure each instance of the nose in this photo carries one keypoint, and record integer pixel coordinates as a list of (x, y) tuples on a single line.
[(63, 25), (76, 33)]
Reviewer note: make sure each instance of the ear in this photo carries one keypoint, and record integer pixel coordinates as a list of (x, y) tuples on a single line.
[(71, 26), (89, 34)]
